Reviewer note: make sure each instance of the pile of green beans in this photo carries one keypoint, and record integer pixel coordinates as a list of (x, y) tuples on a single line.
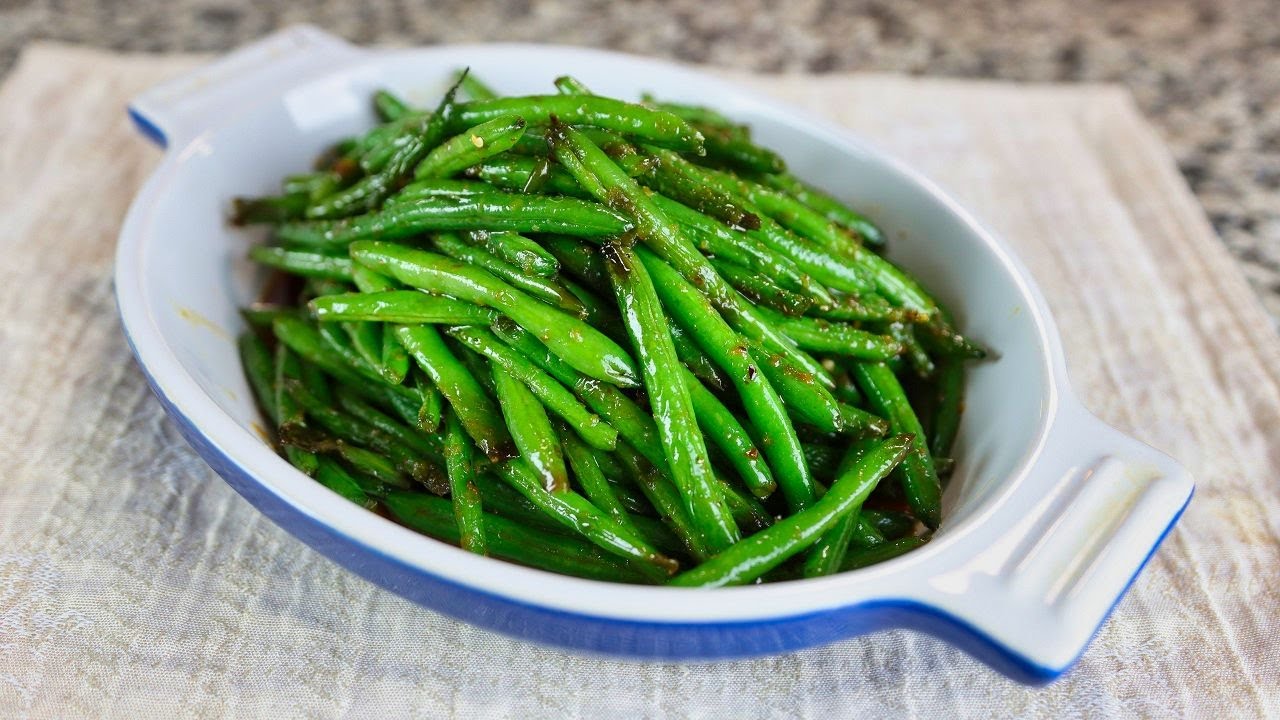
[(602, 338)]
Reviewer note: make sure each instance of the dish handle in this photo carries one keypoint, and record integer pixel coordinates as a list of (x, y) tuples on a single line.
[(173, 112), (1090, 513)]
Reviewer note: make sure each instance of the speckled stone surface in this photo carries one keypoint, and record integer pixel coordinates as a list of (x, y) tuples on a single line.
[(1207, 72)]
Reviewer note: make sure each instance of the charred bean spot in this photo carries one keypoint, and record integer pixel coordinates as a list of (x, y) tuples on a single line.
[(752, 373), (753, 454)]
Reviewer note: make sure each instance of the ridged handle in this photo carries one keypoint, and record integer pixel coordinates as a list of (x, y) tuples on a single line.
[(175, 111), (1092, 510)]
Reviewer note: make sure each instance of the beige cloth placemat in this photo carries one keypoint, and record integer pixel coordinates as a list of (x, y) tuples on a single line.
[(135, 583)]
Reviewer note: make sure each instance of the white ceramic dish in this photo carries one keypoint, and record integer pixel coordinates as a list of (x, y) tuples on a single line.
[(1048, 519)]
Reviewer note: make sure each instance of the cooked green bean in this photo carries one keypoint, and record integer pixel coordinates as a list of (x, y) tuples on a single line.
[(761, 290), (548, 391), (408, 307), (870, 556), (837, 338), (586, 470), (580, 345), (548, 291), (574, 512), (919, 478), (629, 119), (760, 553), (302, 262), (460, 464), (489, 211), (510, 541), (764, 405), (828, 206), (669, 396), (333, 476), (531, 430), (475, 410), (470, 147), (723, 429), (520, 251), (609, 332)]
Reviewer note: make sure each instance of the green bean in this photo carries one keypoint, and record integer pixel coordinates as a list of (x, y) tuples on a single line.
[(510, 541), (259, 371), (760, 553), (568, 85), (949, 393), (261, 315), (271, 209), (826, 555), (722, 428), (748, 513), (424, 443), (333, 476), (696, 360), (795, 216), (736, 150), (664, 497), (576, 513), (490, 211), (837, 338), (531, 430), (880, 553), (659, 535), (582, 459), (301, 262), (917, 357), (918, 475), (475, 88), (424, 132), (499, 498), (629, 119), (366, 339), (520, 251), (859, 422), (408, 307), (521, 174), (594, 171), (690, 113), (437, 187), (583, 347), (549, 291), (686, 452), (891, 524), (704, 198), (367, 280), (823, 412), (829, 207), (764, 406), (308, 342), (372, 465), (431, 411), (632, 423), (545, 388), (743, 249), (475, 410), (468, 148), (760, 289), (388, 106), (468, 512), (865, 307), (941, 337), (350, 429), (858, 276), (393, 360)]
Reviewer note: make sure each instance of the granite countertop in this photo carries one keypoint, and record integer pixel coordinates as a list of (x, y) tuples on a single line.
[(1206, 72)]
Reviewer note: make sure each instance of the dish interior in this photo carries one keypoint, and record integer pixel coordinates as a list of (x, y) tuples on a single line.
[(195, 276)]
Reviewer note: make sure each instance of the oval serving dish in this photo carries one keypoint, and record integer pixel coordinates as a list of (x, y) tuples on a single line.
[(1050, 514)]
